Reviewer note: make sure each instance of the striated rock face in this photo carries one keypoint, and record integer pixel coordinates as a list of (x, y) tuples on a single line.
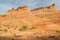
[(22, 21), (20, 11), (17, 12), (45, 11)]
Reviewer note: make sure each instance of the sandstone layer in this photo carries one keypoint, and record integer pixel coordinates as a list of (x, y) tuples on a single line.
[(22, 22)]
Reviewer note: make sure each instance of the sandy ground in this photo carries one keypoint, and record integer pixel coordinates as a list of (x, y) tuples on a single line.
[(54, 37)]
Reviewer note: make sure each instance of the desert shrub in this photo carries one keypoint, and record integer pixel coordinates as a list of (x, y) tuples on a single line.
[(5, 30), (8, 27), (0, 29), (0, 23), (33, 27), (4, 15), (20, 29), (23, 28), (58, 31)]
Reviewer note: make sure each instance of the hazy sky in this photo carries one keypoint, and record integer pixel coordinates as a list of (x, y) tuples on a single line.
[(8, 4)]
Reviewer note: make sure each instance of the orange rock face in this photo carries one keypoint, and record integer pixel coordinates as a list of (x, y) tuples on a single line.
[(37, 20)]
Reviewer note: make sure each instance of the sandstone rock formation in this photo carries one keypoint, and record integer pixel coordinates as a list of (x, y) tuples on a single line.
[(22, 21), (45, 11)]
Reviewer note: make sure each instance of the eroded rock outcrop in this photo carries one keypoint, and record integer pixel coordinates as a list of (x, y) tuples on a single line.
[(45, 11), (23, 21)]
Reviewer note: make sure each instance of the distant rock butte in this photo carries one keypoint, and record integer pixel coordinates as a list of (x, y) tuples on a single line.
[(43, 19)]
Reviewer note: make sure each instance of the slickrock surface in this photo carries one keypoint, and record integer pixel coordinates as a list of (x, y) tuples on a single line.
[(22, 23)]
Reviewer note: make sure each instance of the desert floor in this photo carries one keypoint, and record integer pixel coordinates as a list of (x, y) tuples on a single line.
[(54, 37)]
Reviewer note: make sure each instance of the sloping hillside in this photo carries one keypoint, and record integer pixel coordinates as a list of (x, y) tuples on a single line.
[(22, 22)]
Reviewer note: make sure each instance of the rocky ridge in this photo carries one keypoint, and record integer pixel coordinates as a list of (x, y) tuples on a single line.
[(22, 22)]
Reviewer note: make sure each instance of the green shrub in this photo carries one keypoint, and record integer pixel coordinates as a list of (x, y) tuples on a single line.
[(20, 29), (23, 28)]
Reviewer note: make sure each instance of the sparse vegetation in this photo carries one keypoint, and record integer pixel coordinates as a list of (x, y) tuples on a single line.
[(11, 26), (33, 27), (5, 30), (0, 23), (27, 23), (0, 29), (58, 31), (14, 27), (23, 28), (20, 29), (4, 15), (8, 27)]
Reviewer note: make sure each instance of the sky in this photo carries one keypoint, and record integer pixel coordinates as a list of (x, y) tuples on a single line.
[(6, 5)]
